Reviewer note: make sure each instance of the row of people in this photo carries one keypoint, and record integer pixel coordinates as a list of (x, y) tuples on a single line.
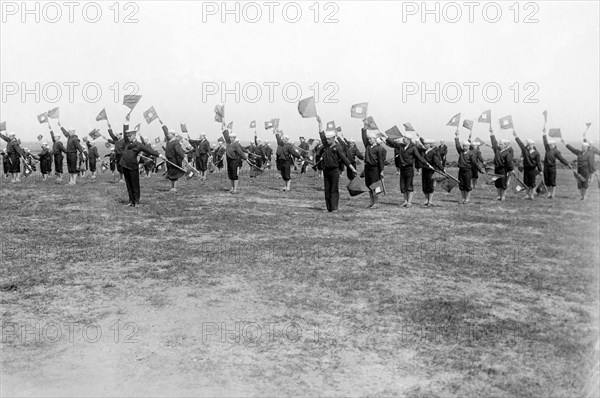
[(332, 151)]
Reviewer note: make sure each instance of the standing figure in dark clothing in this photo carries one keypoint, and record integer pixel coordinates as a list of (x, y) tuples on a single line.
[(432, 159), (29, 161), (118, 142), (585, 160), (479, 159), (57, 150), (202, 148), (408, 154), (219, 155), (92, 157), (15, 154), (174, 154), (443, 152), (305, 149), (375, 155), (130, 165), (503, 164), (552, 154), (352, 152), (73, 148), (285, 158), (45, 157), (5, 164), (331, 154), (235, 155), (466, 162), (532, 164), (111, 160)]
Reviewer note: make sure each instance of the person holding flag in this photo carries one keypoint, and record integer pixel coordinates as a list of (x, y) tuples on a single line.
[(285, 158), (466, 162), (57, 150), (408, 154), (585, 160), (374, 158), (73, 148), (552, 154), (532, 165), (235, 155), (130, 165), (45, 157), (331, 155), (352, 153), (503, 164), (175, 155)]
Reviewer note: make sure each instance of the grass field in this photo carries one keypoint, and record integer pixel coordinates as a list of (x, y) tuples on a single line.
[(262, 293)]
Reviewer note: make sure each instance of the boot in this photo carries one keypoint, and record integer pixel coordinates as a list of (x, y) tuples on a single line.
[(375, 202), (372, 197)]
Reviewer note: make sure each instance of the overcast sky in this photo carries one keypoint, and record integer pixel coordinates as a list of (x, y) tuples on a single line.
[(375, 53)]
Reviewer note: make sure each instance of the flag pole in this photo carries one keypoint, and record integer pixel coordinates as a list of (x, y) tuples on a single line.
[(171, 163)]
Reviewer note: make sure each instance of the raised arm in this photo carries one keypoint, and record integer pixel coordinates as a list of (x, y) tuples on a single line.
[(519, 142), (226, 136), (459, 148), (65, 132), (494, 140), (112, 134)]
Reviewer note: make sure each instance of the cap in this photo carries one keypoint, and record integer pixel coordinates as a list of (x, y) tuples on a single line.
[(466, 143), (44, 144), (504, 141), (532, 142), (12, 134), (552, 142), (370, 134), (351, 140), (407, 136), (429, 141)]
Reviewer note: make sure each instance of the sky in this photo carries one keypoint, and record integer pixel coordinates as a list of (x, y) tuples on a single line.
[(182, 55)]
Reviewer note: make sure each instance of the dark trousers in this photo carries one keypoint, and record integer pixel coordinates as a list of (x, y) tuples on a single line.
[(427, 181), (550, 176), (501, 183), (331, 178), (132, 180), (92, 164), (232, 169), (58, 163), (407, 174), (202, 161)]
